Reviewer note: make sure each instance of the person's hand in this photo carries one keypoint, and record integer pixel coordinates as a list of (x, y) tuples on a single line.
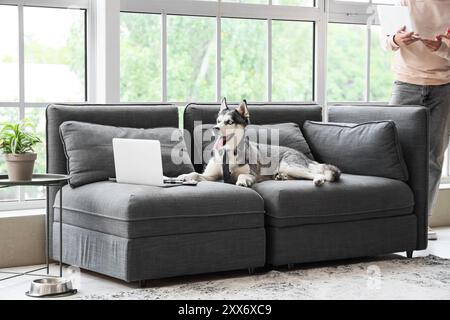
[(403, 38), (433, 45), (445, 38)]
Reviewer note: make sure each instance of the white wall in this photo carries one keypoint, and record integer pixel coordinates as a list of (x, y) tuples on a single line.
[(22, 238)]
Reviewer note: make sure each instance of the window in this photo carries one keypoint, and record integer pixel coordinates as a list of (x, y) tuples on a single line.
[(349, 78), (292, 60), (346, 62), (54, 55), (8, 114), (359, 70), (140, 57), (244, 59), (188, 54), (9, 54), (381, 75), (50, 68), (191, 58)]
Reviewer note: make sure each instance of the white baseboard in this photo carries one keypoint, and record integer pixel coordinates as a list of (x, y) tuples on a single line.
[(441, 213)]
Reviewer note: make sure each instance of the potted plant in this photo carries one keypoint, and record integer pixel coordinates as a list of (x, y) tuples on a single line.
[(17, 141)]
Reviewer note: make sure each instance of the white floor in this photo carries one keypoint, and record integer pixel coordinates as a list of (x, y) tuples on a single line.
[(92, 283)]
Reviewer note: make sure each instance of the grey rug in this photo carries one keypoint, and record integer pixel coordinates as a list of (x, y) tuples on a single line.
[(389, 277)]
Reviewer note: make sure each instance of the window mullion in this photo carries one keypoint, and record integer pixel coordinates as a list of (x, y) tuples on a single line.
[(164, 55), (219, 57), (368, 57), (269, 59), (321, 58), (21, 80), (21, 64), (91, 49)]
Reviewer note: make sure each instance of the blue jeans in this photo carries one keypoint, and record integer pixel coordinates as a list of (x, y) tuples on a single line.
[(437, 100)]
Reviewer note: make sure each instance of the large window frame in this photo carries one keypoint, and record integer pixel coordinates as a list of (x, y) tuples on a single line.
[(359, 13), (323, 13), (21, 105), (220, 9)]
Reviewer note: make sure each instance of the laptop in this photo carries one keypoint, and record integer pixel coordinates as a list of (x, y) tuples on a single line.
[(139, 161), (392, 18)]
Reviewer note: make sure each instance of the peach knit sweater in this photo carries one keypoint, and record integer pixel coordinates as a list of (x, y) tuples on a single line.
[(415, 63)]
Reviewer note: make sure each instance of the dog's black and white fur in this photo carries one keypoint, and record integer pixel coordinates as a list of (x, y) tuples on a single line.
[(285, 163)]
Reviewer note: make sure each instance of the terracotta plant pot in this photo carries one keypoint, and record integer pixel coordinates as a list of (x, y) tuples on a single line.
[(20, 166)]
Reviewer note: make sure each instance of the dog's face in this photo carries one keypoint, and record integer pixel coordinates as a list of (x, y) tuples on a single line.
[(231, 123)]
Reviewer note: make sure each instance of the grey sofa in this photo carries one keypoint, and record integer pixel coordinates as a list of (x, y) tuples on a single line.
[(143, 232)]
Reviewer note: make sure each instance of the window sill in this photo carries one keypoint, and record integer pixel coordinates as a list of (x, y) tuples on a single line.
[(21, 213), (28, 205)]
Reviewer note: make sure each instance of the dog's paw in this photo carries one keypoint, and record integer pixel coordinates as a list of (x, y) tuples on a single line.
[(281, 176), (244, 182), (319, 181), (189, 176)]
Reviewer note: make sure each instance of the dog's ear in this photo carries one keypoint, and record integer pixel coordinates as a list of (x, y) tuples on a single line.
[(224, 105), (243, 110)]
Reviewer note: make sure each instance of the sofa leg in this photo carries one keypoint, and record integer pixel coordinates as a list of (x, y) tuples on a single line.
[(251, 270), (142, 283), (409, 254), (290, 266)]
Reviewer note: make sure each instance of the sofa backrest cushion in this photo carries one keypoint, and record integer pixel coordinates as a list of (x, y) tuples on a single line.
[(120, 115), (283, 134), (260, 114), (89, 151), (370, 148)]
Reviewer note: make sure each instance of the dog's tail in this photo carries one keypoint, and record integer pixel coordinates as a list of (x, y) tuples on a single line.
[(332, 173)]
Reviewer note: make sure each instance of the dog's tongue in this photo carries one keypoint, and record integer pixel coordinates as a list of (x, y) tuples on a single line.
[(219, 143)]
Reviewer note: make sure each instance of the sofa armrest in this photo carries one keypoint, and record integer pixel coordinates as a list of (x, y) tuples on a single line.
[(413, 129)]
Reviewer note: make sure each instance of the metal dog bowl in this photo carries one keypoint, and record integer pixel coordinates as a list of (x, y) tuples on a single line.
[(46, 287)]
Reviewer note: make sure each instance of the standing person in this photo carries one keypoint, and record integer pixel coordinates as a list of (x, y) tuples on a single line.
[(422, 74)]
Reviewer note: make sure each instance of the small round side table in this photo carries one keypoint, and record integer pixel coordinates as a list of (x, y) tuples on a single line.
[(47, 180)]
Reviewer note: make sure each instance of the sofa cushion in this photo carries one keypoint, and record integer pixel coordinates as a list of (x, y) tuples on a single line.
[(134, 211), (370, 148), (353, 197), (89, 151), (284, 134)]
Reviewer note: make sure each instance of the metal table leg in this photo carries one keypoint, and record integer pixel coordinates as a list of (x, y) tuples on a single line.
[(60, 231), (19, 274), (47, 233)]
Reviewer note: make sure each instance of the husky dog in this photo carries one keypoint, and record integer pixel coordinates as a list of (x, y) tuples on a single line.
[(249, 162)]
